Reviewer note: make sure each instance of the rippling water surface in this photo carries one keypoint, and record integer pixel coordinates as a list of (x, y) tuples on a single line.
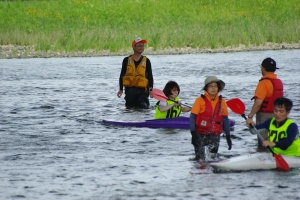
[(54, 146)]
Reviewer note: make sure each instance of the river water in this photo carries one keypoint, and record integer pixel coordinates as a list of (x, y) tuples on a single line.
[(53, 144)]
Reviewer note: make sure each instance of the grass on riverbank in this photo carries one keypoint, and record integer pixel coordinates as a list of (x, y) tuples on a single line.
[(78, 25)]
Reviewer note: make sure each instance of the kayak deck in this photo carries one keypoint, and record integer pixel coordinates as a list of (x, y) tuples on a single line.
[(256, 161), (176, 123)]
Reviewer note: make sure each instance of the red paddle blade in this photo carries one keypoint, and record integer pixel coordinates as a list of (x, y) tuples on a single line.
[(281, 163), (236, 105), (159, 95)]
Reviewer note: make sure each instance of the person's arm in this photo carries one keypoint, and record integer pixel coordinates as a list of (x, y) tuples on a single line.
[(149, 77), (292, 133), (123, 72), (163, 106), (261, 92), (193, 122), (264, 125), (260, 127), (226, 129), (186, 109), (194, 112), (193, 129), (226, 125), (255, 108), (149, 73)]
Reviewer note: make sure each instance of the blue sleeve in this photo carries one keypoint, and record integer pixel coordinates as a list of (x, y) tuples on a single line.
[(226, 125), (265, 125), (193, 122), (292, 132)]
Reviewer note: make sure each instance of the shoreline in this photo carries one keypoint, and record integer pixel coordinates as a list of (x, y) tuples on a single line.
[(14, 51)]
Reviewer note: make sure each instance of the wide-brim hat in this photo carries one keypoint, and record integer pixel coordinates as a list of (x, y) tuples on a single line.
[(138, 40), (211, 79)]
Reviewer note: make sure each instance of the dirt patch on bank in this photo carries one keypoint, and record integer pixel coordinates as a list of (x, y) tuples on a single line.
[(12, 51)]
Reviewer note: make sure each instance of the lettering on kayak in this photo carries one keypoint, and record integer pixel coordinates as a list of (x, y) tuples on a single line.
[(266, 159)]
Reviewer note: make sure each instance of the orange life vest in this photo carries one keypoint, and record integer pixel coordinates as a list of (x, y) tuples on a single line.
[(135, 76)]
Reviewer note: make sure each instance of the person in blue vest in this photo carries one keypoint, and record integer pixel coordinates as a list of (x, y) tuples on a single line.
[(283, 133), (169, 108), (136, 76)]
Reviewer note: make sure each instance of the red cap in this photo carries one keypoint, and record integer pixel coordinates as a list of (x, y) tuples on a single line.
[(137, 40)]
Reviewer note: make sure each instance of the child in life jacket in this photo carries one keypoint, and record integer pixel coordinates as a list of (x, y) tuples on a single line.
[(171, 107)]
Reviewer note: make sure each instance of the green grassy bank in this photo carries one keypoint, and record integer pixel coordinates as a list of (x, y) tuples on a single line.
[(82, 25)]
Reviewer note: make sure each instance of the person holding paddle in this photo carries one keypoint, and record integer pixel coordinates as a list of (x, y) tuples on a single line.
[(283, 133), (209, 118), (268, 89), (136, 77), (171, 107)]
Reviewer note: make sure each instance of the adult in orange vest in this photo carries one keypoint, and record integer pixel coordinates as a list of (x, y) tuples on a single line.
[(209, 118), (136, 77), (268, 89)]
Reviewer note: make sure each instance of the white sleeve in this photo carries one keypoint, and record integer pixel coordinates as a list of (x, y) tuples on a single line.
[(162, 103)]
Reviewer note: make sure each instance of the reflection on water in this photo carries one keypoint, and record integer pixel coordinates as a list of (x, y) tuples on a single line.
[(53, 144)]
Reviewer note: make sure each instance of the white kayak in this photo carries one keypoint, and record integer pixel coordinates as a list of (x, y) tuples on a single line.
[(256, 161)]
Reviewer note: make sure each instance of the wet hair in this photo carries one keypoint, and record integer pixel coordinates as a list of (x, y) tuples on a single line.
[(169, 86), (218, 83), (283, 102)]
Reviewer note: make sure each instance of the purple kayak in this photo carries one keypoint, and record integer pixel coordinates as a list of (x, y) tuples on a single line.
[(176, 123)]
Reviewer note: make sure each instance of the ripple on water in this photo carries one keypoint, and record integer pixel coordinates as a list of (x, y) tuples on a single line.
[(53, 143)]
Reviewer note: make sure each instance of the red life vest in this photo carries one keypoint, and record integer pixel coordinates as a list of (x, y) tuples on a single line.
[(268, 103), (209, 122)]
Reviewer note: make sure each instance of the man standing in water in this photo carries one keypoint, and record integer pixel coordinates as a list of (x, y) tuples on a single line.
[(136, 77), (268, 89)]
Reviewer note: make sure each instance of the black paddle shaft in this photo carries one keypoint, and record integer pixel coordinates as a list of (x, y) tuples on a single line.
[(258, 134)]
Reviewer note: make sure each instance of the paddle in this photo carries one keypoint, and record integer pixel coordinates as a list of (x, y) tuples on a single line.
[(160, 95), (238, 107)]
